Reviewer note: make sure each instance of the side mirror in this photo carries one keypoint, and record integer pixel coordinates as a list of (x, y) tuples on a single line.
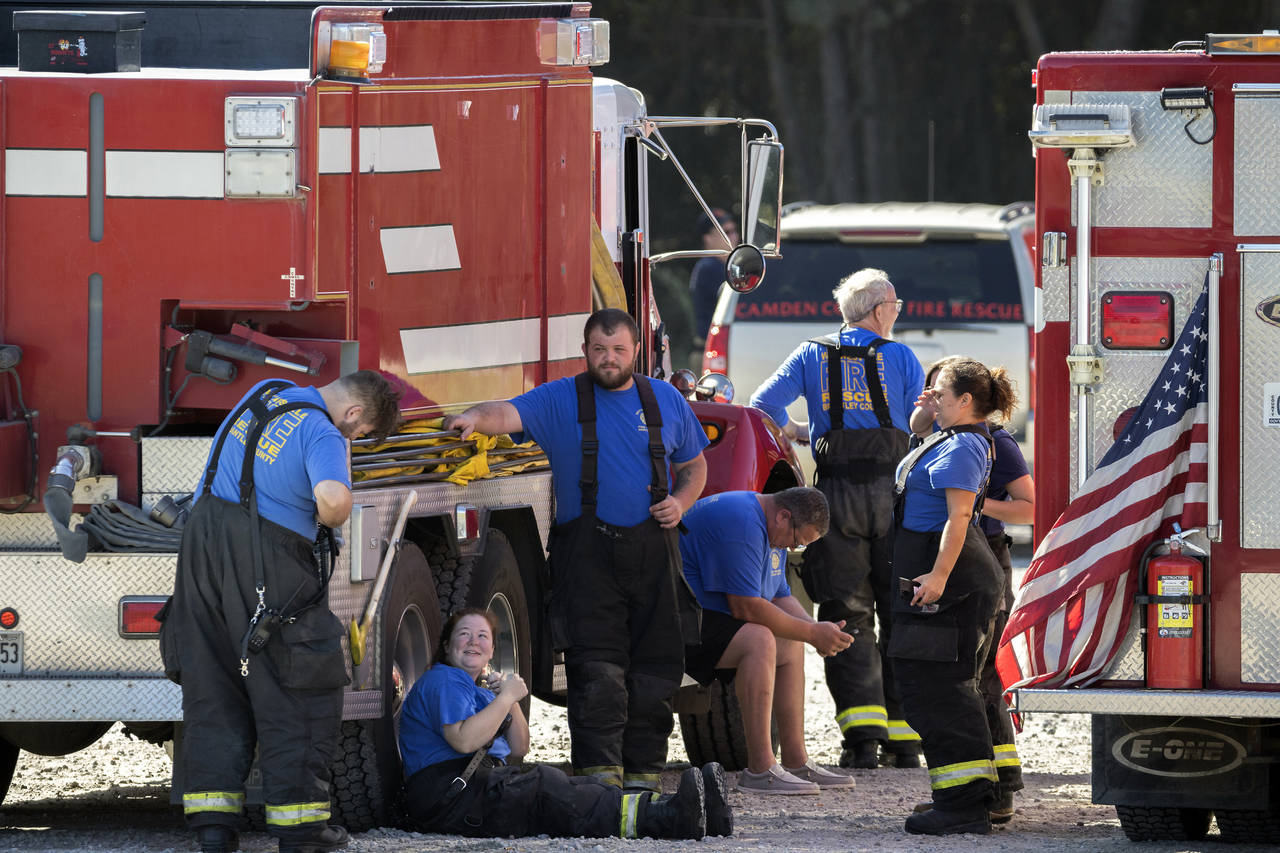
[(762, 196), (714, 387), (744, 270)]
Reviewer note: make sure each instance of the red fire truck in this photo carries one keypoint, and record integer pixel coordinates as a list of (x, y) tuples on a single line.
[(1154, 182), (441, 191)]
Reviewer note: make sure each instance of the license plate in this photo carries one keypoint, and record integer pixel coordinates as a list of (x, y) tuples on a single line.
[(10, 652)]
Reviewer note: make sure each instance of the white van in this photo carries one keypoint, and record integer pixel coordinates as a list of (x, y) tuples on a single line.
[(964, 272)]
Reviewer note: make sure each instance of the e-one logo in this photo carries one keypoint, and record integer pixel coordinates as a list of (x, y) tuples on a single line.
[(1181, 753)]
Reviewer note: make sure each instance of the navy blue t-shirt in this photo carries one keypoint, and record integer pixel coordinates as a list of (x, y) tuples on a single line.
[(444, 695), (805, 373), (727, 551), (296, 451), (549, 414), (959, 462), (1009, 465), (704, 290)]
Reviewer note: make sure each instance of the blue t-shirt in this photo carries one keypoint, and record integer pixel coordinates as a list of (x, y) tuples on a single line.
[(549, 414), (1009, 465), (295, 452), (704, 291), (804, 373), (444, 695), (959, 462), (727, 551)]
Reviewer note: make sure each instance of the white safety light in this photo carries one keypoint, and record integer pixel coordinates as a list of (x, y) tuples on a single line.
[(357, 49), (574, 41), (260, 121), (1185, 98)]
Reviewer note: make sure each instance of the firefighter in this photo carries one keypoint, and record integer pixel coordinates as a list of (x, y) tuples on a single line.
[(259, 652), (754, 630), (856, 442), (1010, 498), (462, 722), (950, 585), (619, 609)]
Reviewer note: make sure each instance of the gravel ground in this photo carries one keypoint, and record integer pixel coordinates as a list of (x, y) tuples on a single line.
[(114, 796)]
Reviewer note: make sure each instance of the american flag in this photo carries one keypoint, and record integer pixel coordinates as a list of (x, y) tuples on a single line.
[(1073, 609)]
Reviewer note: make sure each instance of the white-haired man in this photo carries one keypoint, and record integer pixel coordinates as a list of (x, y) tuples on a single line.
[(860, 388)]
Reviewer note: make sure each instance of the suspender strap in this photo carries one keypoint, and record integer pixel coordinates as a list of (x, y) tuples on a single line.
[(657, 450), (836, 353), (587, 483), (914, 456), (211, 470)]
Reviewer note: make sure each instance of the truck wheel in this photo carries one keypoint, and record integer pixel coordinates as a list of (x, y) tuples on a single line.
[(492, 582), (53, 738), (8, 761), (718, 734), (1243, 826), (1159, 823), (367, 774)]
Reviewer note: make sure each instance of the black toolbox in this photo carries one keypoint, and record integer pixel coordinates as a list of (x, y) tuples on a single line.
[(84, 42)]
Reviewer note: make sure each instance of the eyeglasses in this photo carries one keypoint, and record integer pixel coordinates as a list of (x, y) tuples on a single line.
[(795, 535), (898, 302)]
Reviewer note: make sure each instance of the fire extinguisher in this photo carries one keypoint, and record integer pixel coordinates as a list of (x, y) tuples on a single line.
[(1174, 603)]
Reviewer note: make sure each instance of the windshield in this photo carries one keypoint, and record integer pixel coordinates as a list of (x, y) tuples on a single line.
[(941, 282)]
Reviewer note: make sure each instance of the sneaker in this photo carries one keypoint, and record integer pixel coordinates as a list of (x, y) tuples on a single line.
[(820, 777), (863, 755), (937, 821), (775, 780)]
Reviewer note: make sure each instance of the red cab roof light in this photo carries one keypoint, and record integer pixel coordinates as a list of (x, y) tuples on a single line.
[(1137, 320)]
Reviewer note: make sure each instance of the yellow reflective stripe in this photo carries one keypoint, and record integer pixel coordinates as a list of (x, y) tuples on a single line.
[(292, 814), (899, 730), (212, 801), (1007, 755), (951, 775), (606, 773), (629, 812), (862, 715), (651, 781)]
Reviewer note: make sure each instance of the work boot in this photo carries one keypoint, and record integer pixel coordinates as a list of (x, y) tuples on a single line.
[(681, 815), (936, 821), (716, 800), (901, 759), (1001, 811), (329, 838), (863, 755), (217, 838)]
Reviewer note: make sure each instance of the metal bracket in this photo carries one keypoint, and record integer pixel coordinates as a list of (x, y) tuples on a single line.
[(1084, 163), (1053, 250), (1085, 367)]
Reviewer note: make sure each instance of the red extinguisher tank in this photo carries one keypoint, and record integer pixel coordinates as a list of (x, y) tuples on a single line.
[(1175, 619)]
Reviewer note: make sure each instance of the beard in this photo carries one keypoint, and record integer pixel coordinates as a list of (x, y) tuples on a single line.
[(610, 383)]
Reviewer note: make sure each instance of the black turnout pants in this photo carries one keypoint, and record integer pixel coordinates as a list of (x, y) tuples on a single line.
[(513, 802), (616, 614), (289, 705), (937, 657), (1008, 765)]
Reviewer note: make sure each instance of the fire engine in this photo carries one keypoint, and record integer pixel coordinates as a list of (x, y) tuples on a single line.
[(441, 191), (1155, 181)]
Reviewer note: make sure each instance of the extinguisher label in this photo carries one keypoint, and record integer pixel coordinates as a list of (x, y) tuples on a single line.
[(1175, 619), (1271, 404)]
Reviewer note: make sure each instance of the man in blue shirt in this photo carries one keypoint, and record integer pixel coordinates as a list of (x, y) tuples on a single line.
[(708, 273), (618, 607), (860, 389), (247, 563), (753, 629)]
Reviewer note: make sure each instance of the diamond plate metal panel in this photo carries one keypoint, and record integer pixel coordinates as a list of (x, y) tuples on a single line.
[(30, 531), (1128, 374), (1257, 150), (59, 700), (1260, 627), (173, 465), (1056, 293), (1154, 703), (1259, 443), (1164, 181), (1129, 663)]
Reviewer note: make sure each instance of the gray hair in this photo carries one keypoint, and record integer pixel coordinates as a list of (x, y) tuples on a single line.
[(859, 293), (807, 506)]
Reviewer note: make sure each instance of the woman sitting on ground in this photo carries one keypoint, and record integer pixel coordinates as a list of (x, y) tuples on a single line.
[(461, 724)]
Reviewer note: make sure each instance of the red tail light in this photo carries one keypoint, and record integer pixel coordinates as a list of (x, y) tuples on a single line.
[(1137, 320), (716, 357), (138, 616)]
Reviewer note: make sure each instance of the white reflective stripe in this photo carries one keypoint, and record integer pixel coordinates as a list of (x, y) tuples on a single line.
[(296, 813), (436, 349), (899, 730), (212, 801), (419, 248), (629, 812), (1006, 755), (165, 174), (564, 336), (410, 148), (41, 171)]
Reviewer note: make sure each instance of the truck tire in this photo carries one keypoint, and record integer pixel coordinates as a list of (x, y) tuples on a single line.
[(1160, 823), (1249, 826), (8, 761), (367, 774), (53, 738), (492, 581), (718, 734)]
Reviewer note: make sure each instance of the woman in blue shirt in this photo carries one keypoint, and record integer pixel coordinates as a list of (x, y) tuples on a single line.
[(950, 583), (459, 707)]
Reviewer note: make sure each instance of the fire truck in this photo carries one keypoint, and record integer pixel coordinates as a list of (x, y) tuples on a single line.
[(1155, 182), (197, 196)]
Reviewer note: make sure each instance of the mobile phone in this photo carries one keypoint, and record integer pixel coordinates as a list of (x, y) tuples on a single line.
[(906, 589)]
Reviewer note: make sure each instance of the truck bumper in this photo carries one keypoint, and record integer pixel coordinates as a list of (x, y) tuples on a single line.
[(55, 700), (1144, 701)]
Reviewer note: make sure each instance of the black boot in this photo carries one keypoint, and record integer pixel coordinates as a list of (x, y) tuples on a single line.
[(217, 838), (1001, 811), (936, 821), (902, 758), (862, 755), (681, 815), (329, 838), (719, 814)]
